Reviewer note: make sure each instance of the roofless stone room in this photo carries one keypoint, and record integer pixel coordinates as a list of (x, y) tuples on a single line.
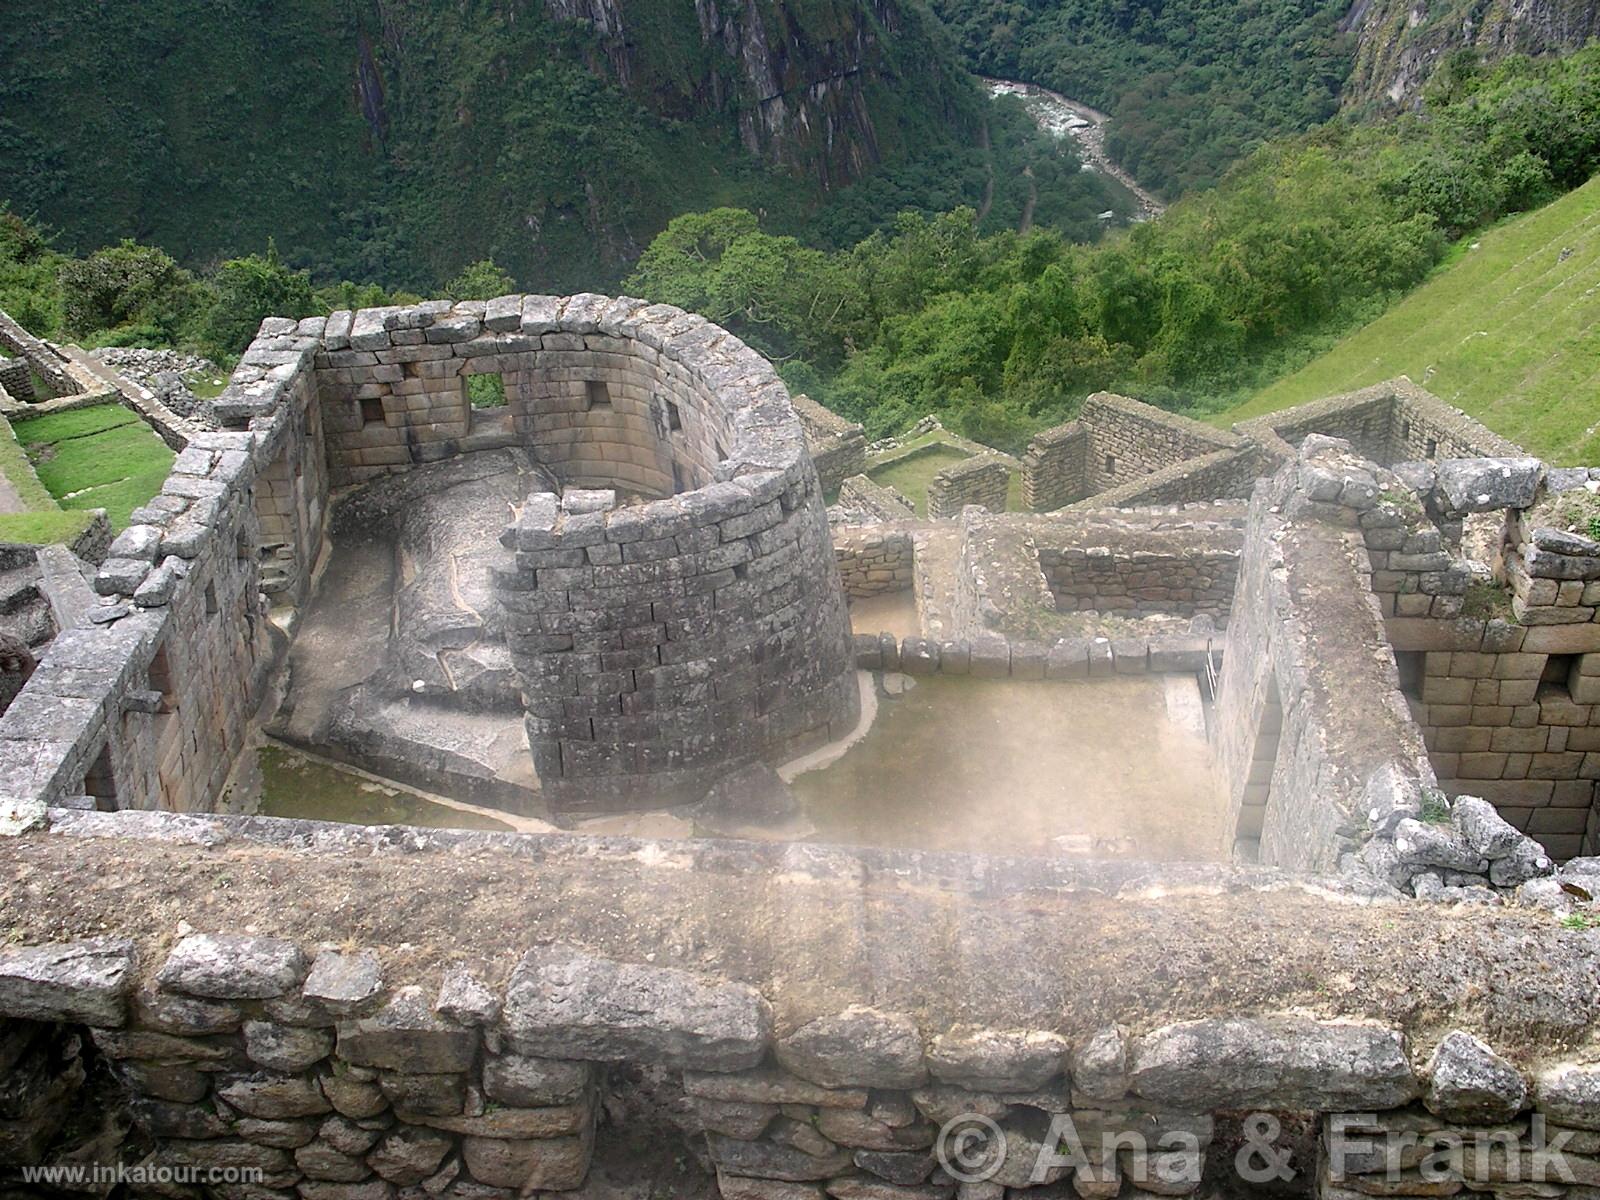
[(913, 600)]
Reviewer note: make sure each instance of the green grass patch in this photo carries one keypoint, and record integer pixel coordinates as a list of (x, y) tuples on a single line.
[(911, 475), (206, 385), (43, 528), (1507, 330), (486, 391), (14, 466), (103, 457), (911, 466)]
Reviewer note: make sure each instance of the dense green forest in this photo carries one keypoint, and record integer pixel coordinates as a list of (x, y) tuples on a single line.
[(1191, 85), (1001, 334), (395, 142)]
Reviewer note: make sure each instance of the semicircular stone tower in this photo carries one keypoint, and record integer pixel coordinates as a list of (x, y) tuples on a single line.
[(677, 610)]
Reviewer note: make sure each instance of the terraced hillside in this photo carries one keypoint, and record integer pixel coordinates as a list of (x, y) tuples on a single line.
[(1508, 330)]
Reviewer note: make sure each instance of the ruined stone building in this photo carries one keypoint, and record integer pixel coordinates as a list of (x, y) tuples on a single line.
[(621, 591)]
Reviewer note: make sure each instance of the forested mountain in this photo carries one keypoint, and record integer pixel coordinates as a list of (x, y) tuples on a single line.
[(397, 140)]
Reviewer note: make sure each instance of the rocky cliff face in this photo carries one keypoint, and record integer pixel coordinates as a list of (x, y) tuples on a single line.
[(810, 85), (1399, 42)]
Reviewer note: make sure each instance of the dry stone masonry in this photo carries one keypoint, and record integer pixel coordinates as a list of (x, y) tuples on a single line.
[(1397, 627)]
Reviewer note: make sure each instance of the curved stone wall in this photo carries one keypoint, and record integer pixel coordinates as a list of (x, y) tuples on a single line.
[(662, 641)]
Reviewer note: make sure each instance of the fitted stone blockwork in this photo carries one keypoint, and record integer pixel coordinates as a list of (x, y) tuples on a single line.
[(659, 643)]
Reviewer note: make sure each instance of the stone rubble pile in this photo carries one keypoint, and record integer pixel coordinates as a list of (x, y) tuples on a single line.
[(246, 1051), (163, 371)]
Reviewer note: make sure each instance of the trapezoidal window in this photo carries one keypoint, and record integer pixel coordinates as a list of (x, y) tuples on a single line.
[(1555, 681), (1111, 464), (101, 783), (372, 411), (597, 394), (486, 391), (674, 418), (161, 679)]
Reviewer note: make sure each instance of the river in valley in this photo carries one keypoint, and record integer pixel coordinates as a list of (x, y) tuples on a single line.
[(1062, 117)]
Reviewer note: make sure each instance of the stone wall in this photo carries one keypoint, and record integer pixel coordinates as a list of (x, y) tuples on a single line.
[(875, 559), (1102, 579), (1117, 444), (981, 480), (1020, 577), (1054, 468), (15, 380), (660, 643), (331, 1065), (1390, 422), (838, 447), (1309, 717), (47, 362), (149, 703), (1128, 439)]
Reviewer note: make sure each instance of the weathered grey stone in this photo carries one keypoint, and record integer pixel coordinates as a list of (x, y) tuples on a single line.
[(417, 1095), (859, 1047), (1420, 844), (163, 1119), (1287, 1062), (548, 1164), (560, 1121), (1569, 1094), (989, 1060), (861, 1131), (120, 576), (344, 984), (346, 1135), (1099, 1067), (465, 998), (158, 586), (741, 1187), (1483, 829), (1527, 861), (1561, 541), (906, 1168), (767, 1160), (80, 982), (745, 1122), (20, 815), (562, 1002), (284, 1047), (232, 967), (1484, 484), (1470, 1083), (283, 1135), (745, 801), (321, 1161), (860, 1188), (141, 542), (768, 1085), (320, 1189), (355, 1099), (274, 1097), (405, 1035), (178, 1082), (525, 1082), (167, 1012), (409, 1154)]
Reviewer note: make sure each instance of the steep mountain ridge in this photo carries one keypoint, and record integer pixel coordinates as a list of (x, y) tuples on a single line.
[(397, 139), (1401, 42)]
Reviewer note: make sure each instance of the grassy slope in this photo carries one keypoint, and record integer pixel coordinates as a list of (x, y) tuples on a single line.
[(104, 457), (1509, 332)]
